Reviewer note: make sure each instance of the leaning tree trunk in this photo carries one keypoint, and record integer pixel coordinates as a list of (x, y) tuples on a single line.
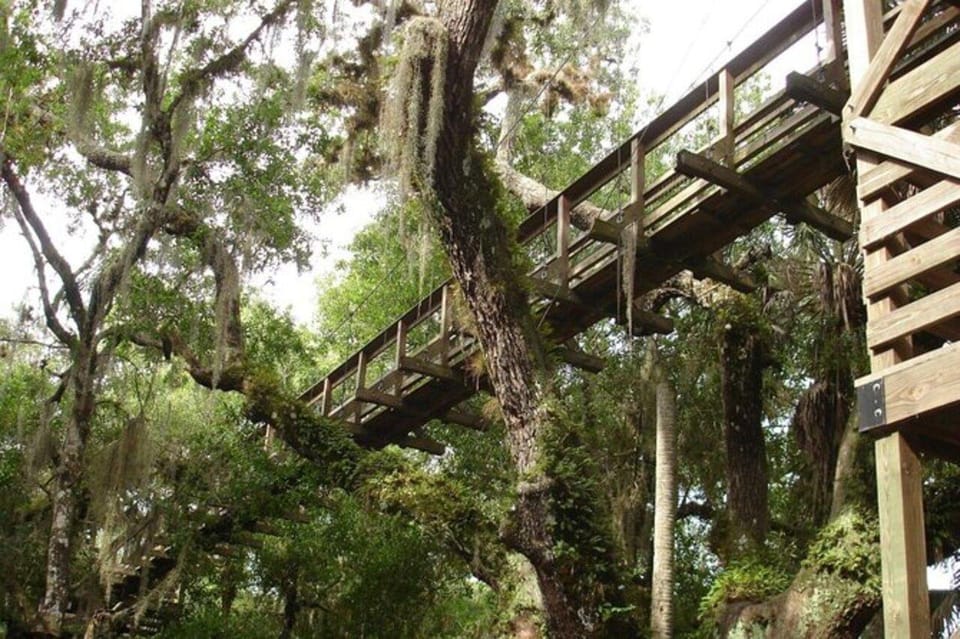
[(665, 512), (742, 354)]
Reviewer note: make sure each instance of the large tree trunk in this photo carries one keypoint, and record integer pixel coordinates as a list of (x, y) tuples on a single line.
[(742, 356), (665, 512), (479, 249)]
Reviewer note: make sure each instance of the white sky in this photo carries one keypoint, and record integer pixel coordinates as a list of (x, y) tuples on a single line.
[(685, 40)]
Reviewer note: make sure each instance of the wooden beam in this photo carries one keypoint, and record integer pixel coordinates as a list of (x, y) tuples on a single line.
[(379, 398), (604, 231), (550, 290), (425, 367), (699, 166), (937, 253), (720, 272), (924, 151), (803, 88), (579, 359), (867, 90), (648, 323), (466, 419)]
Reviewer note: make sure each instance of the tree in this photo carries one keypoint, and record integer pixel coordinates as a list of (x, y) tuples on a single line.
[(665, 512), (180, 188)]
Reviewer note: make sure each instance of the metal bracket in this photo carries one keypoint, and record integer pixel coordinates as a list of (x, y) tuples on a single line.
[(872, 405)]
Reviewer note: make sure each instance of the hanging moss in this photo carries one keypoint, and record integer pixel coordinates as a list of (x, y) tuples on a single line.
[(414, 108)]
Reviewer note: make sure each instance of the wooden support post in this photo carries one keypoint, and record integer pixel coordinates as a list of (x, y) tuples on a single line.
[(727, 117), (906, 606), (446, 319), (563, 241)]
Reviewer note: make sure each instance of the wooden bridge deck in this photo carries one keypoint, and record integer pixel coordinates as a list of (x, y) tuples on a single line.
[(768, 161)]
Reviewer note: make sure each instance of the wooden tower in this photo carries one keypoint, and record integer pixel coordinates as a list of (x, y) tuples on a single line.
[(902, 123)]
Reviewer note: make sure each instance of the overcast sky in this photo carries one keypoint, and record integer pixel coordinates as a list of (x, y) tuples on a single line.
[(686, 40)]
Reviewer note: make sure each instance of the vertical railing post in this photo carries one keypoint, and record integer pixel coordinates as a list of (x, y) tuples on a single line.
[(401, 353), (637, 175), (832, 58), (446, 317), (361, 384), (326, 401), (727, 116), (563, 240)]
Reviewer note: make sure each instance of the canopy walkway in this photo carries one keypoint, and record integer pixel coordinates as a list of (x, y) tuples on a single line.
[(901, 123), (765, 162)]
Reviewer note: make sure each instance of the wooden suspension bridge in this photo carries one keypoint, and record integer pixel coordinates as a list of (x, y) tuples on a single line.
[(901, 123)]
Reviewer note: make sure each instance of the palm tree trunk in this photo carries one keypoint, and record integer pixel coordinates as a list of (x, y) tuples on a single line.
[(665, 512)]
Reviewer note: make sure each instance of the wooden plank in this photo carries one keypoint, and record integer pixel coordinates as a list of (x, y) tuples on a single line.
[(803, 88), (702, 167), (928, 84), (891, 171), (937, 253), (924, 151), (914, 317), (868, 88), (920, 385), (900, 217)]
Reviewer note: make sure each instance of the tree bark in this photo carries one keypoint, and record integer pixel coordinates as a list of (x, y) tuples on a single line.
[(665, 512), (742, 353)]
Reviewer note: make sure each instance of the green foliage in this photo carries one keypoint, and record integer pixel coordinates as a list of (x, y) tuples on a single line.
[(848, 547), (751, 579)]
